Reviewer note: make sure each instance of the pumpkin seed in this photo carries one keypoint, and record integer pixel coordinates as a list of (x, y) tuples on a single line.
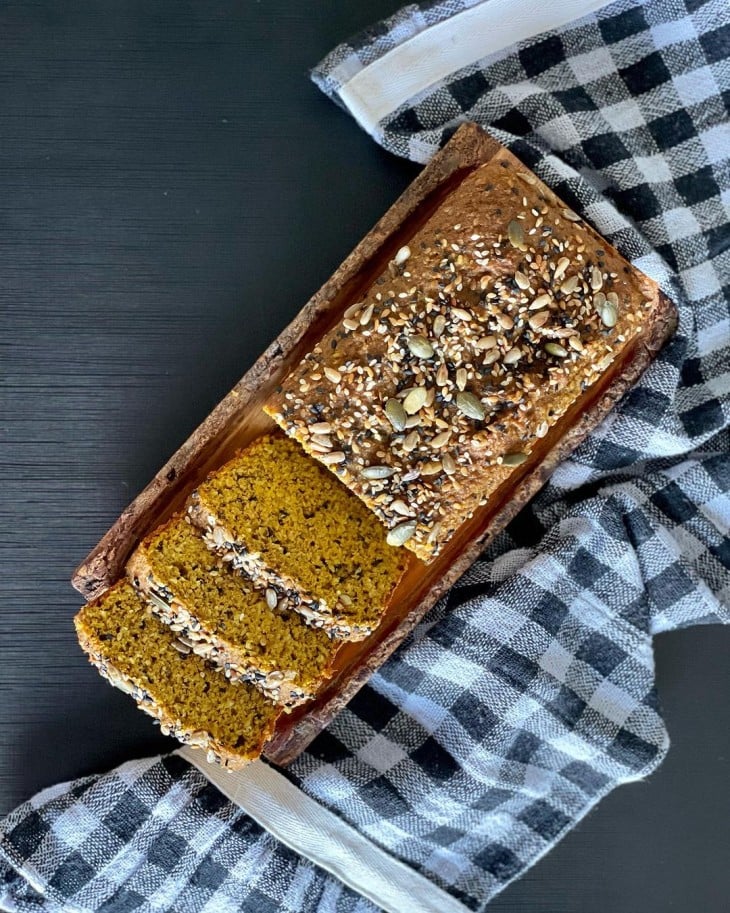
[(599, 299), (396, 414), (553, 348), (415, 400), (469, 405), (513, 459), (419, 346), (400, 534), (377, 472), (516, 235), (432, 468)]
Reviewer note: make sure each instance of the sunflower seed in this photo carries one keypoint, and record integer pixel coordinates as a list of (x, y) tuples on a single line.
[(486, 342), (322, 441), (563, 264), (377, 472), (469, 405), (609, 315), (542, 429), (604, 362), (410, 442), (522, 280), (553, 348), (441, 439), (513, 459), (354, 308), (272, 599), (330, 459), (596, 279), (491, 357), (402, 255), (181, 647), (513, 356), (461, 314), (415, 400), (505, 321), (431, 468), (575, 343), (542, 301), (332, 374), (442, 376), (527, 178), (400, 507), (449, 464), (539, 320), (570, 215), (413, 421), (320, 428), (349, 324), (461, 378), (366, 315), (400, 534), (439, 325), (396, 414), (516, 235), (419, 346), (569, 285)]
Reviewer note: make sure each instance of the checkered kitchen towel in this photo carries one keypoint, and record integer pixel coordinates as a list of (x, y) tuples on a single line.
[(528, 693)]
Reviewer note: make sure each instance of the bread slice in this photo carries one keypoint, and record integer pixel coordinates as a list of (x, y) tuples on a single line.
[(221, 616), (445, 382), (192, 701), (281, 518)]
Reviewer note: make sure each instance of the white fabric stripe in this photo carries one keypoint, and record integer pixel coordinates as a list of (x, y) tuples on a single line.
[(326, 840), (437, 52)]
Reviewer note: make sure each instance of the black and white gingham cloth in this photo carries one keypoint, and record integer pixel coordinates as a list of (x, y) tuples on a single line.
[(528, 693)]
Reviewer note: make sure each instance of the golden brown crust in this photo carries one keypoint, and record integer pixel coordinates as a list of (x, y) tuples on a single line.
[(444, 377)]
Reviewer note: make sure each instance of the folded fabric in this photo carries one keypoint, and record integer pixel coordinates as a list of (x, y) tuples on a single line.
[(528, 693)]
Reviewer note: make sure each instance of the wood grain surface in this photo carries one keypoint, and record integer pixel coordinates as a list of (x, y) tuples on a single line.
[(172, 190)]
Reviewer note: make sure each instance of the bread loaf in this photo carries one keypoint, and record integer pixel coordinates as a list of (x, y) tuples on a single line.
[(447, 380)]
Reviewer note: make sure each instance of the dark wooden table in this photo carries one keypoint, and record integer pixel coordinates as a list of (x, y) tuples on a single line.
[(172, 189)]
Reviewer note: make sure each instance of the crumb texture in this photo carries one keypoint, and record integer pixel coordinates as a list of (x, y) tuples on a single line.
[(250, 630), (190, 698), (291, 521), (495, 318)]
